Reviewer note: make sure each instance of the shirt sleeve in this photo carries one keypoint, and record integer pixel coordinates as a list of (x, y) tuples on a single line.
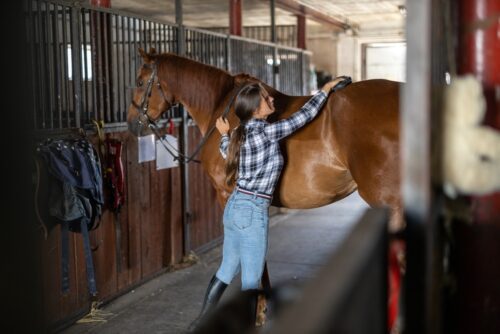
[(285, 127), (224, 144)]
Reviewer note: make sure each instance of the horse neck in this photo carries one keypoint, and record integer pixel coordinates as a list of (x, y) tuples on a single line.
[(200, 88)]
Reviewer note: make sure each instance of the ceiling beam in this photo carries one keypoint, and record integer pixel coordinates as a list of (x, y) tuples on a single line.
[(312, 14)]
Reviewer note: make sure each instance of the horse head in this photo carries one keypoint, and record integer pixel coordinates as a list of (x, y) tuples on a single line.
[(151, 97)]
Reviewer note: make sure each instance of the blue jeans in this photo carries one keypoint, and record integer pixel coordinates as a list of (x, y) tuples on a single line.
[(246, 220)]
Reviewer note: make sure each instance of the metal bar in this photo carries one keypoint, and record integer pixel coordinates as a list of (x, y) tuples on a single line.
[(65, 70), (107, 67), (41, 66), (76, 64), (115, 59), (31, 38), (58, 79), (185, 168), (125, 82), (87, 79), (415, 150), (94, 61), (49, 65)]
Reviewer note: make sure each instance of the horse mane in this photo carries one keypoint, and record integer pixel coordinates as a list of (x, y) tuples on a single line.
[(204, 86)]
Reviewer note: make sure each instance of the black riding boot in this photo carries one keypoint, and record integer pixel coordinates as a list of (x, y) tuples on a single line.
[(214, 291)]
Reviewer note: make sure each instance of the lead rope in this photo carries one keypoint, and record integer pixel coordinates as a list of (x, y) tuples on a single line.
[(179, 156)]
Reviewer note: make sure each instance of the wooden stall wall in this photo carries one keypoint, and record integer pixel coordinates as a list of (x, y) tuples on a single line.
[(206, 212), (151, 240)]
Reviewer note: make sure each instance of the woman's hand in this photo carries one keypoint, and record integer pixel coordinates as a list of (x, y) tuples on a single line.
[(329, 85), (222, 125)]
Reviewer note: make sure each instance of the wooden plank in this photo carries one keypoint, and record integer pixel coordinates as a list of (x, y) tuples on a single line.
[(124, 278), (134, 185)]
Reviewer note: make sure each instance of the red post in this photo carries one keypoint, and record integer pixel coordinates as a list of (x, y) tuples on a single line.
[(479, 54), (235, 17), (301, 31), (101, 3)]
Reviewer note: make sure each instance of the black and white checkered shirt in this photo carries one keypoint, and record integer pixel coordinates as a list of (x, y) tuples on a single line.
[(261, 161)]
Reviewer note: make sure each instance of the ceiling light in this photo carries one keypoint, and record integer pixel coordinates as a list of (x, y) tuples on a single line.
[(402, 10)]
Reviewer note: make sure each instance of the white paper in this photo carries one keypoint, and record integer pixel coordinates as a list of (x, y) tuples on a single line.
[(147, 150), (163, 158)]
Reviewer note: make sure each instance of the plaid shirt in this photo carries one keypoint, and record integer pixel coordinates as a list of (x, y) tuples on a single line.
[(261, 161)]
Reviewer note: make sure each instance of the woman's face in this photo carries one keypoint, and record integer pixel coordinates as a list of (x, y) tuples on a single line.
[(266, 106)]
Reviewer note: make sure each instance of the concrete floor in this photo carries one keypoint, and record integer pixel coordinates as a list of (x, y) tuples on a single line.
[(300, 242)]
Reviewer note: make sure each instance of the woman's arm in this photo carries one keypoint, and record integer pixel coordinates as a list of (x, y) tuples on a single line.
[(223, 126), (286, 127)]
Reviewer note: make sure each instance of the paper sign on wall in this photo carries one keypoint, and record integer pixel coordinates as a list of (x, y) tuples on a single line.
[(164, 159), (146, 151)]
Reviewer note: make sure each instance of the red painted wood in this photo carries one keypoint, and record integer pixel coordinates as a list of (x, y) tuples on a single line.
[(479, 54), (101, 3), (235, 22), (301, 32)]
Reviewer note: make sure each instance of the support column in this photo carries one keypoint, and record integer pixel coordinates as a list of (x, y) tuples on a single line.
[(276, 80), (301, 32), (186, 207), (478, 294), (479, 54), (101, 3), (235, 22)]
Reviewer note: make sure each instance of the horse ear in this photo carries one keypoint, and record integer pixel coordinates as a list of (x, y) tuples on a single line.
[(146, 57), (152, 51)]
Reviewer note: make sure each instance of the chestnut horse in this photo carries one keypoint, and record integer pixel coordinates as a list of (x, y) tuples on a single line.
[(353, 144)]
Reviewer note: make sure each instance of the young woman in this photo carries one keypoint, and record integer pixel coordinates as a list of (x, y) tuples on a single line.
[(253, 166)]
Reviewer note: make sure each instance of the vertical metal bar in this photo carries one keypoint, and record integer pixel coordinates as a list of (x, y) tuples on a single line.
[(130, 57), (273, 40), (228, 54), (58, 80), (94, 61), (57, 76), (118, 109), (185, 168), (415, 150), (32, 43), (124, 69), (65, 70), (86, 78), (49, 64), (106, 45), (79, 31), (76, 64), (41, 66)]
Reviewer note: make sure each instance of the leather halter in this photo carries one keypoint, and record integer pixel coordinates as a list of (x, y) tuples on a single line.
[(144, 118)]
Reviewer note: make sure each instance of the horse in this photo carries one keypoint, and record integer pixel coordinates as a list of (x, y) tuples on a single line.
[(353, 143)]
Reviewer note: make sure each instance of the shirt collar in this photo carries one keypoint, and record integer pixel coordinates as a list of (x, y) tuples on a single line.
[(255, 123)]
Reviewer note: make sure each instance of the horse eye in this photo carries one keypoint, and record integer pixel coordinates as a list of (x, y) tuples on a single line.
[(139, 83)]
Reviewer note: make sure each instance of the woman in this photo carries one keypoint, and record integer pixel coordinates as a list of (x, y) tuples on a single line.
[(253, 166)]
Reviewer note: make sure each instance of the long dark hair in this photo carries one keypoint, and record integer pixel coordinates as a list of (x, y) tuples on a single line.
[(247, 101)]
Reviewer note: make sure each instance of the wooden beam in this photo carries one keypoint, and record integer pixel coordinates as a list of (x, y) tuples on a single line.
[(235, 17), (301, 32), (296, 8)]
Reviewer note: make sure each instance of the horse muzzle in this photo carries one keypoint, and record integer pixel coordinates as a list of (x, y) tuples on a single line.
[(138, 125)]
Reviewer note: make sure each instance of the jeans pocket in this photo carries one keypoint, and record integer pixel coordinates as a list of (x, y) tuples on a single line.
[(242, 215)]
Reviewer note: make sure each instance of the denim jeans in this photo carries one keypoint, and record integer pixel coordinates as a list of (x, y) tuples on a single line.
[(246, 220)]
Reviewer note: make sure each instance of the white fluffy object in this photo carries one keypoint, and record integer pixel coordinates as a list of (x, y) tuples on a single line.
[(471, 151)]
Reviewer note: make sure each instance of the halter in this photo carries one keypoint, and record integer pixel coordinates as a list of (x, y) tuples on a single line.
[(144, 118)]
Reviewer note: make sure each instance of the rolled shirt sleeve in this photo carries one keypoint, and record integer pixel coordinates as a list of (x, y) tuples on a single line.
[(224, 144)]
